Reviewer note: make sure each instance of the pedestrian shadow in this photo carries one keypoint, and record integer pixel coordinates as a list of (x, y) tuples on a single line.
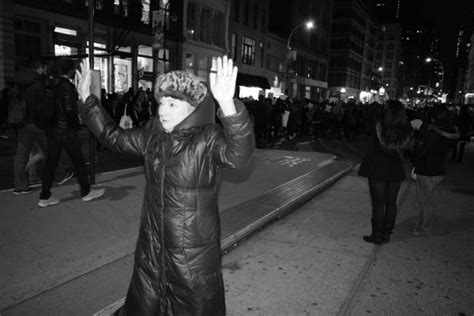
[(111, 194)]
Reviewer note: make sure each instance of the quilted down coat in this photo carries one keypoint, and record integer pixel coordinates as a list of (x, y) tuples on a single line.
[(177, 269)]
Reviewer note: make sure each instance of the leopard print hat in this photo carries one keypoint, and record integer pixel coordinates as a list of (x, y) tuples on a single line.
[(181, 85)]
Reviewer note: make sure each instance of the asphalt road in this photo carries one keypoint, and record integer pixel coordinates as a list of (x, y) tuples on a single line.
[(107, 160)]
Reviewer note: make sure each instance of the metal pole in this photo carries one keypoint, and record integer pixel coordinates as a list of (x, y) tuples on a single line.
[(92, 140)]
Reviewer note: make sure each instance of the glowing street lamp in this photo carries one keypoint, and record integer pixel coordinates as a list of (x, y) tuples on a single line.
[(308, 25)]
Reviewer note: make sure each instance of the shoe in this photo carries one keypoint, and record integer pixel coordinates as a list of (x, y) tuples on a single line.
[(376, 240), (93, 194), (67, 176), (3, 136), (49, 202), (28, 190)]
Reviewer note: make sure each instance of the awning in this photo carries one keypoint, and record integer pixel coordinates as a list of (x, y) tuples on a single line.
[(252, 81)]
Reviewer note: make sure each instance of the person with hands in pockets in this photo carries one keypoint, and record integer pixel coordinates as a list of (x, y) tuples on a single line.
[(177, 268)]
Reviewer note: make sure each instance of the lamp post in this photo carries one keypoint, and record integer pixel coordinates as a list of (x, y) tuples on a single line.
[(309, 25), (432, 59)]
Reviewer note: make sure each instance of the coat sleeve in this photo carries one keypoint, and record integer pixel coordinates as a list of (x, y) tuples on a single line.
[(234, 147), (130, 141)]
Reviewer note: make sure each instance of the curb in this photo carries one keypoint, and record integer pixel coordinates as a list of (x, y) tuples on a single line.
[(227, 244)]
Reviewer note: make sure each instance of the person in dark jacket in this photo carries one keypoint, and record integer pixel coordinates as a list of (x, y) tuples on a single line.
[(383, 166), (62, 134), (177, 269), (431, 160)]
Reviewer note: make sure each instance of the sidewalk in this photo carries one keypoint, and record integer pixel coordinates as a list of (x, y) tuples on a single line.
[(44, 248), (314, 261)]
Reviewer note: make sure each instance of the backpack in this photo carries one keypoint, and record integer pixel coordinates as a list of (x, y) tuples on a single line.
[(17, 111), (45, 109)]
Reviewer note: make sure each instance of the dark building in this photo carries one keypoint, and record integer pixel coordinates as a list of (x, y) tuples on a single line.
[(305, 67)]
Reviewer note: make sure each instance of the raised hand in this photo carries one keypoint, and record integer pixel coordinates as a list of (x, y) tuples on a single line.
[(83, 80), (222, 80)]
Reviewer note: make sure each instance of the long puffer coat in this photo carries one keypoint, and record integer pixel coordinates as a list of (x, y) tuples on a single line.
[(177, 268)]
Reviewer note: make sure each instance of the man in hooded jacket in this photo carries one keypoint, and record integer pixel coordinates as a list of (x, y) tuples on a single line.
[(177, 268)]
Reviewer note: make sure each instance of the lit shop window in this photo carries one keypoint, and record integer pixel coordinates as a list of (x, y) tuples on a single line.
[(63, 50), (65, 31), (145, 11)]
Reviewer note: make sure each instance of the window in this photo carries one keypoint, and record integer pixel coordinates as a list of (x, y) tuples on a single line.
[(248, 51), (218, 30), (145, 12), (235, 10), (99, 4), (246, 12), (190, 63), (121, 7), (262, 54), (64, 50), (205, 34), (390, 46), (264, 20), (388, 65), (255, 16), (233, 44), (191, 21), (203, 67), (66, 31)]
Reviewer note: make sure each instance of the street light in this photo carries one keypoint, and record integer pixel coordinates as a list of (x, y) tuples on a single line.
[(308, 25), (432, 59)]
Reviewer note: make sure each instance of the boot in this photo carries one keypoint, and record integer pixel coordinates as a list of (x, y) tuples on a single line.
[(388, 229), (377, 234), (389, 223)]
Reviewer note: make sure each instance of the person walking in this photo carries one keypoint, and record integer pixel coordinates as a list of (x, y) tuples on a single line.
[(62, 134), (177, 269), (437, 137), (383, 166), (30, 89)]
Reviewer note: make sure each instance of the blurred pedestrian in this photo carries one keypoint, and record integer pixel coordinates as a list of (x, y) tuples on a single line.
[(465, 125), (178, 257), (4, 101), (431, 160), (383, 166), (62, 134)]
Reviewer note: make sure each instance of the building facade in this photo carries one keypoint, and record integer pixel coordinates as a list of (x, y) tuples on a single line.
[(306, 59), (351, 66), (388, 58)]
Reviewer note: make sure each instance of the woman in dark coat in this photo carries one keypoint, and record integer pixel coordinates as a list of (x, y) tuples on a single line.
[(177, 268), (383, 166)]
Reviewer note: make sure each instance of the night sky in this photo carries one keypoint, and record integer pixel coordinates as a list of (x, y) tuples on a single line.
[(444, 17)]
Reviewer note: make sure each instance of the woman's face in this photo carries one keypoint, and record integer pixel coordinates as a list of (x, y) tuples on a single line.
[(172, 112)]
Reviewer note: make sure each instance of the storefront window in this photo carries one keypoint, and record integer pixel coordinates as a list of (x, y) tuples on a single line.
[(145, 64), (203, 69), (63, 50), (122, 75), (190, 63)]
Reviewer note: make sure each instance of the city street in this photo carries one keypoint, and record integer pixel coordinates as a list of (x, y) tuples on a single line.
[(310, 262)]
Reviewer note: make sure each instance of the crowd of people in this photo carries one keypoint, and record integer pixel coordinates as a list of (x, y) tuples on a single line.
[(283, 117)]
